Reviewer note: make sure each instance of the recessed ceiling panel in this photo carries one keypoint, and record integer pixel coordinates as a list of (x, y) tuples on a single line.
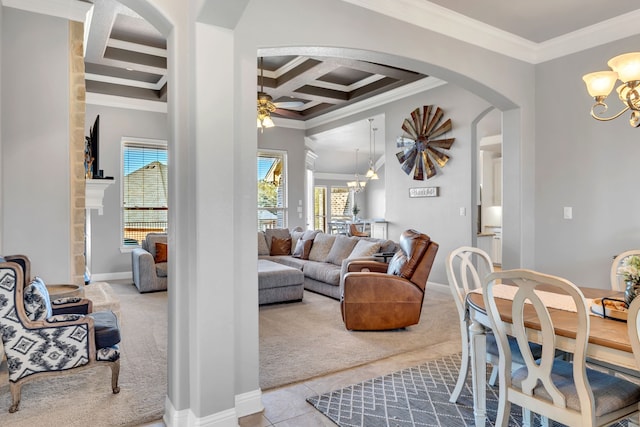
[(344, 76), (135, 57), (137, 30), (121, 73)]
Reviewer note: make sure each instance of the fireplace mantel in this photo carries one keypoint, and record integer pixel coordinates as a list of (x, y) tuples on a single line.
[(95, 193)]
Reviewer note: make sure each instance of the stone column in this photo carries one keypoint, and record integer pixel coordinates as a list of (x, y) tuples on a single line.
[(76, 150)]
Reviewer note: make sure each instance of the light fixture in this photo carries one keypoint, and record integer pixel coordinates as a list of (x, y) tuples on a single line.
[(626, 68), (371, 173), (357, 186), (265, 104)]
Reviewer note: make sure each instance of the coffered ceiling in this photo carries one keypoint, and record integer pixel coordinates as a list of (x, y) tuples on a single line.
[(322, 84), (126, 58)]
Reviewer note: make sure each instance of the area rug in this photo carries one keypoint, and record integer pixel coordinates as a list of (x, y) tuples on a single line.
[(417, 396), (85, 398), (299, 341)]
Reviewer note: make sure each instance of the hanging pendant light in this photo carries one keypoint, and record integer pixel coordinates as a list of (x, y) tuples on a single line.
[(356, 186), (375, 175), (371, 173)]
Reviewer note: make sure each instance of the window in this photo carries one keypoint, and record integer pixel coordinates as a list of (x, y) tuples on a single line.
[(340, 203), (272, 190), (340, 208), (320, 208), (144, 189)]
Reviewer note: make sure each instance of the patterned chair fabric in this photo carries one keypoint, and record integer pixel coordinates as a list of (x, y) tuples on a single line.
[(37, 342)]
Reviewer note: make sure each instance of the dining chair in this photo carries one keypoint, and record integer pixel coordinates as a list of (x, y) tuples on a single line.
[(617, 284), (465, 267), (353, 231), (567, 392), (634, 328)]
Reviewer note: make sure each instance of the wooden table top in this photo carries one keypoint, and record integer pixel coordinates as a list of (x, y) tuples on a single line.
[(608, 333)]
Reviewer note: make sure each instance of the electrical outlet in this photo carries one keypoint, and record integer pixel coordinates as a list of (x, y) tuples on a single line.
[(463, 211)]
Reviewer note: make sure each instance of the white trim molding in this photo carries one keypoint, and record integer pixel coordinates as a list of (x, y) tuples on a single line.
[(249, 403), (436, 18), (69, 9), (123, 102)]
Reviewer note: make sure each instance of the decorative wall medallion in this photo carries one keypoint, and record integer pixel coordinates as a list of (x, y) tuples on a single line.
[(420, 143)]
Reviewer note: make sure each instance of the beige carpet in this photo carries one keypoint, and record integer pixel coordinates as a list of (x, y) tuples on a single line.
[(85, 399), (302, 340)]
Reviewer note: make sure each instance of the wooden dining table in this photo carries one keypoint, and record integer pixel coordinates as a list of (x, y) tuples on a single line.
[(608, 339)]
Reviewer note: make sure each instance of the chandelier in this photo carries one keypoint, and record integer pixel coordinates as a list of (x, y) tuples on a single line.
[(265, 104), (626, 68), (356, 186), (371, 173)]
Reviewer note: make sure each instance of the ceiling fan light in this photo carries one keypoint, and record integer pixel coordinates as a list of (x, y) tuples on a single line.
[(267, 122)]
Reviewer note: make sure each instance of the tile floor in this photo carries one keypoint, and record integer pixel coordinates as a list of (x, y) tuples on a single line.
[(286, 406)]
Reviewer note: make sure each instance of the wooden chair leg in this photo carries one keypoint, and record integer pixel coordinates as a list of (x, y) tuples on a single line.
[(115, 373), (15, 396), (464, 371)]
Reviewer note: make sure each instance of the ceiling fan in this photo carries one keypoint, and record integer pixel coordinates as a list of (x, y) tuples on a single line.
[(266, 106)]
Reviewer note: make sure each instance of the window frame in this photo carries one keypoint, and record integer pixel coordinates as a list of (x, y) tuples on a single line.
[(285, 176), (143, 142)]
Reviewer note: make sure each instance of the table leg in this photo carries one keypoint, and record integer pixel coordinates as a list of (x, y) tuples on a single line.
[(478, 342)]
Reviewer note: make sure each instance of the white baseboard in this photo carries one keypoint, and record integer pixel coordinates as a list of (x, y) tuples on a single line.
[(226, 418), (437, 284), (174, 418), (246, 404), (105, 277), (249, 403)]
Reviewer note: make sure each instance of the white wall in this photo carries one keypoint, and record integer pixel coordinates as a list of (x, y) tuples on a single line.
[(376, 202), (439, 217), (116, 123), (35, 142), (291, 141), (587, 165)]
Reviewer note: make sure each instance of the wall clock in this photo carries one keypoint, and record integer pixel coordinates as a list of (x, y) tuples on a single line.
[(421, 148)]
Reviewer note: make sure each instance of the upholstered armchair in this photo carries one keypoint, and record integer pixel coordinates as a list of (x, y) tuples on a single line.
[(377, 296), (149, 263), (40, 342)]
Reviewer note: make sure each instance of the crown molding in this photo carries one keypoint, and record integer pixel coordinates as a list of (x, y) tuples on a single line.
[(441, 20), (334, 176), (598, 34), (123, 102), (73, 10), (436, 18)]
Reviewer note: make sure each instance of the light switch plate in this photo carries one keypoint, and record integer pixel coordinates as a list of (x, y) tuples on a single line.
[(568, 212)]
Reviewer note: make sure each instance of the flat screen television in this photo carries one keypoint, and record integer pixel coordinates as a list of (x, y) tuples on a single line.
[(94, 141)]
